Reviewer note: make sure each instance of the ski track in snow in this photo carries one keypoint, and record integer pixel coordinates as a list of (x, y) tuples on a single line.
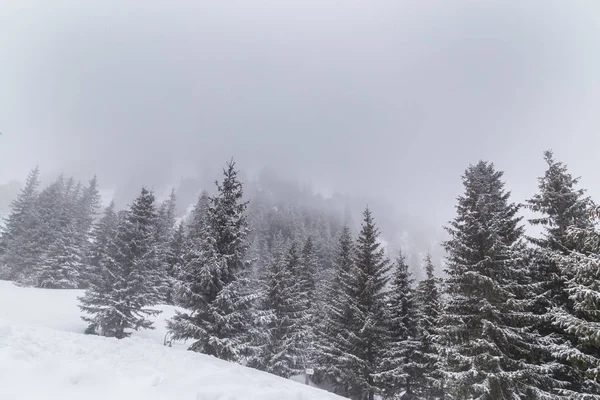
[(45, 355)]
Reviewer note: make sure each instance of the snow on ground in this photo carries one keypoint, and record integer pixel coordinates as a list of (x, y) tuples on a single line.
[(45, 355)]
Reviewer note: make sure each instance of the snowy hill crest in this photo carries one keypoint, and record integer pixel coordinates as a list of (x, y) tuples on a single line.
[(45, 355)]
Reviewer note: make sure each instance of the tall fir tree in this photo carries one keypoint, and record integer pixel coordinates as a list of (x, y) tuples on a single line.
[(196, 288), (217, 278), (582, 320), (130, 285), (17, 252), (332, 355), (165, 232), (562, 207), (309, 277), (310, 267), (491, 351), (284, 351), (429, 306), (51, 217), (174, 260), (401, 365), (367, 335), (86, 208), (62, 266), (199, 217), (103, 233), (228, 217)]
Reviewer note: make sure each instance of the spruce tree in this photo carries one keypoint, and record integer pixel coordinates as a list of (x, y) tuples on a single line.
[(429, 306), (128, 289), (284, 351), (85, 211), (491, 351), (401, 367), (175, 260), (310, 267), (62, 266), (86, 208), (267, 270), (367, 335), (228, 218), (16, 247), (216, 281), (103, 234), (309, 276), (196, 288), (165, 232), (562, 206), (583, 319), (332, 355), (51, 218), (199, 217)]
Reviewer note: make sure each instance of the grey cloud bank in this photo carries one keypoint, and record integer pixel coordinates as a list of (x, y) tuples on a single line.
[(389, 99)]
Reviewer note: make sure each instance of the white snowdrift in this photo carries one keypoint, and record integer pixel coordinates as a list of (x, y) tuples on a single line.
[(44, 355)]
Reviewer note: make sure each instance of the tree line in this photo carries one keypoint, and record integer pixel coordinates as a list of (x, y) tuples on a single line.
[(516, 317)]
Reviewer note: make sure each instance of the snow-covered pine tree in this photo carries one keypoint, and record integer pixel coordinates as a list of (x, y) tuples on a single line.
[(85, 211), (167, 215), (490, 350), (195, 288), (262, 316), (87, 207), (582, 321), (260, 253), (429, 306), (332, 346), (366, 338), (16, 250), (401, 358), (50, 220), (228, 218), (262, 269), (310, 277), (186, 279), (561, 206), (310, 267), (199, 217), (62, 266), (276, 350), (175, 260), (128, 291), (216, 281), (71, 193), (286, 302), (165, 231), (103, 233)]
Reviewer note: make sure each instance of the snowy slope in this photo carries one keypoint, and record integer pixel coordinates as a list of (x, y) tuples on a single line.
[(44, 355)]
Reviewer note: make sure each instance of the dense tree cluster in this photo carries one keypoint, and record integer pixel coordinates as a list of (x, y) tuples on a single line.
[(282, 287), (47, 238)]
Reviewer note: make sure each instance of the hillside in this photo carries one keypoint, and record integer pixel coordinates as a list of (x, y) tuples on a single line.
[(44, 355)]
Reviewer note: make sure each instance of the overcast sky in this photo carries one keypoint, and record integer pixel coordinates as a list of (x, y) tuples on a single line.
[(392, 99)]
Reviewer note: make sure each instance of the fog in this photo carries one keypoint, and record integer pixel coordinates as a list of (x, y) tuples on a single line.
[(389, 100)]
